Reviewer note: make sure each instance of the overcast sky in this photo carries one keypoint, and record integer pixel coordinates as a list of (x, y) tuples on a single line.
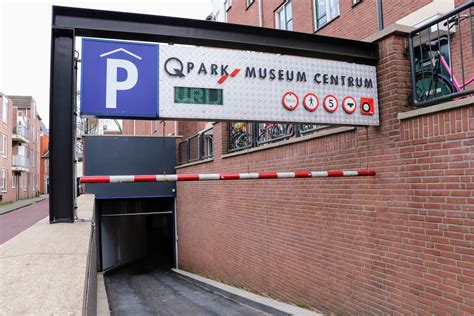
[(25, 27)]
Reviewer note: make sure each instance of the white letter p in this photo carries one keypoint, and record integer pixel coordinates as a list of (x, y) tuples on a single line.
[(112, 83)]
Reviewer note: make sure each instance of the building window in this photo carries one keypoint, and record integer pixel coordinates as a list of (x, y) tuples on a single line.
[(14, 177), (325, 11), (228, 4), (284, 17), (250, 2), (5, 110), (3, 188), (4, 146)]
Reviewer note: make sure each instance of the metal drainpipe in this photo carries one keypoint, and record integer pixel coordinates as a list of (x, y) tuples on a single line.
[(380, 14), (175, 218), (260, 13)]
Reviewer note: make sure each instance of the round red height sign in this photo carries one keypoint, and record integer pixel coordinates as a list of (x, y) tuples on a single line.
[(290, 100)]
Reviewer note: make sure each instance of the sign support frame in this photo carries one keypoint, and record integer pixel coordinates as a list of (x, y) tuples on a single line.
[(62, 131), (68, 22)]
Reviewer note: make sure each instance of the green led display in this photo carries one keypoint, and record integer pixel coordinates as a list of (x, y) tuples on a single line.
[(190, 95)]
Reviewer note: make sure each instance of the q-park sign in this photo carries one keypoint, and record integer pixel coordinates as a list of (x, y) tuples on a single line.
[(138, 80)]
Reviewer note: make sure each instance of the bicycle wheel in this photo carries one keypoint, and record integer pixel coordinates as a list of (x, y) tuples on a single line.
[(243, 140), (429, 86), (263, 133), (234, 140)]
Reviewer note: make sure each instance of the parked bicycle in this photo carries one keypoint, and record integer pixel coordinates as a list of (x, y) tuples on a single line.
[(434, 83), (271, 131), (240, 138)]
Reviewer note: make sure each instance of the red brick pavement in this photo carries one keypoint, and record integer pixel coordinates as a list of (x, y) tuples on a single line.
[(13, 223)]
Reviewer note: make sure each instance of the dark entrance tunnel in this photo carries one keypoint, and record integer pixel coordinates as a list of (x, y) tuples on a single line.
[(135, 231)]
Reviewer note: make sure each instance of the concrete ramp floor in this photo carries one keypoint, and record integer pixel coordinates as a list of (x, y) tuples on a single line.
[(140, 289)]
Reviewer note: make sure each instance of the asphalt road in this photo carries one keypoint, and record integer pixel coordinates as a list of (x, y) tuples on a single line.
[(13, 223), (141, 290)]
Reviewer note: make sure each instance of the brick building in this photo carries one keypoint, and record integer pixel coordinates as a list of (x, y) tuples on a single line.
[(20, 163), (398, 243), (44, 159), (6, 115)]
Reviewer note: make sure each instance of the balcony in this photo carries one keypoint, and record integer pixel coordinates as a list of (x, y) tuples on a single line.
[(20, 134), (198, 147), (20, 163)]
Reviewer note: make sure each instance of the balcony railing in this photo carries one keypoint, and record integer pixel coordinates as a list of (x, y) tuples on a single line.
[(20, 163), (197, 147), (442, 67), (247, 135), (20, 133)]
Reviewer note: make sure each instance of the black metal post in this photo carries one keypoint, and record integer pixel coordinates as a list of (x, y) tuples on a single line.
[(380, 15), (62, 133), (188, 150), (254, 131), (201, 146)]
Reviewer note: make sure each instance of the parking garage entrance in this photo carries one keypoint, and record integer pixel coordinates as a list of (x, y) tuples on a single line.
[(135, 222), (136, 66), (135, 230)]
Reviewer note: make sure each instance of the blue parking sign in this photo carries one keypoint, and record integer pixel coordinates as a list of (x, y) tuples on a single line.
[(119, 79)]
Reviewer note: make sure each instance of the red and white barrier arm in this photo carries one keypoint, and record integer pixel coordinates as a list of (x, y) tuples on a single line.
[(225, 176)]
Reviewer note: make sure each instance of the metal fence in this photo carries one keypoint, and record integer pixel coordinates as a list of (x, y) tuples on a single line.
[(441, 57), (246, 135), (197, 147)]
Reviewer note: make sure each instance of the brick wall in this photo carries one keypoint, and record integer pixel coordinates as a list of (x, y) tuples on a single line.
[(185, 129), (354, 22), (397, 243), (248, 16)]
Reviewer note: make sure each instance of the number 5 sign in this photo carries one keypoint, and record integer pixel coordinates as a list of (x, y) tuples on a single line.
[(119, 79)]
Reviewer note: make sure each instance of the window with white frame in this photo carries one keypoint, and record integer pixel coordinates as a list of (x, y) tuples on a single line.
[(284, 17), (227, 4), (324, 12), (4, 150), (5, 110), (14, 177), (3, 187), (249, 2)]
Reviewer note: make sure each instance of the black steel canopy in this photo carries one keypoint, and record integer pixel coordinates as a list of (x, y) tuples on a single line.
[(142, 27), (68, 22)]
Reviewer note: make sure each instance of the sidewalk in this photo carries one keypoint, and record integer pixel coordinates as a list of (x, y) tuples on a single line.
[(19, 204), (44, 269)]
